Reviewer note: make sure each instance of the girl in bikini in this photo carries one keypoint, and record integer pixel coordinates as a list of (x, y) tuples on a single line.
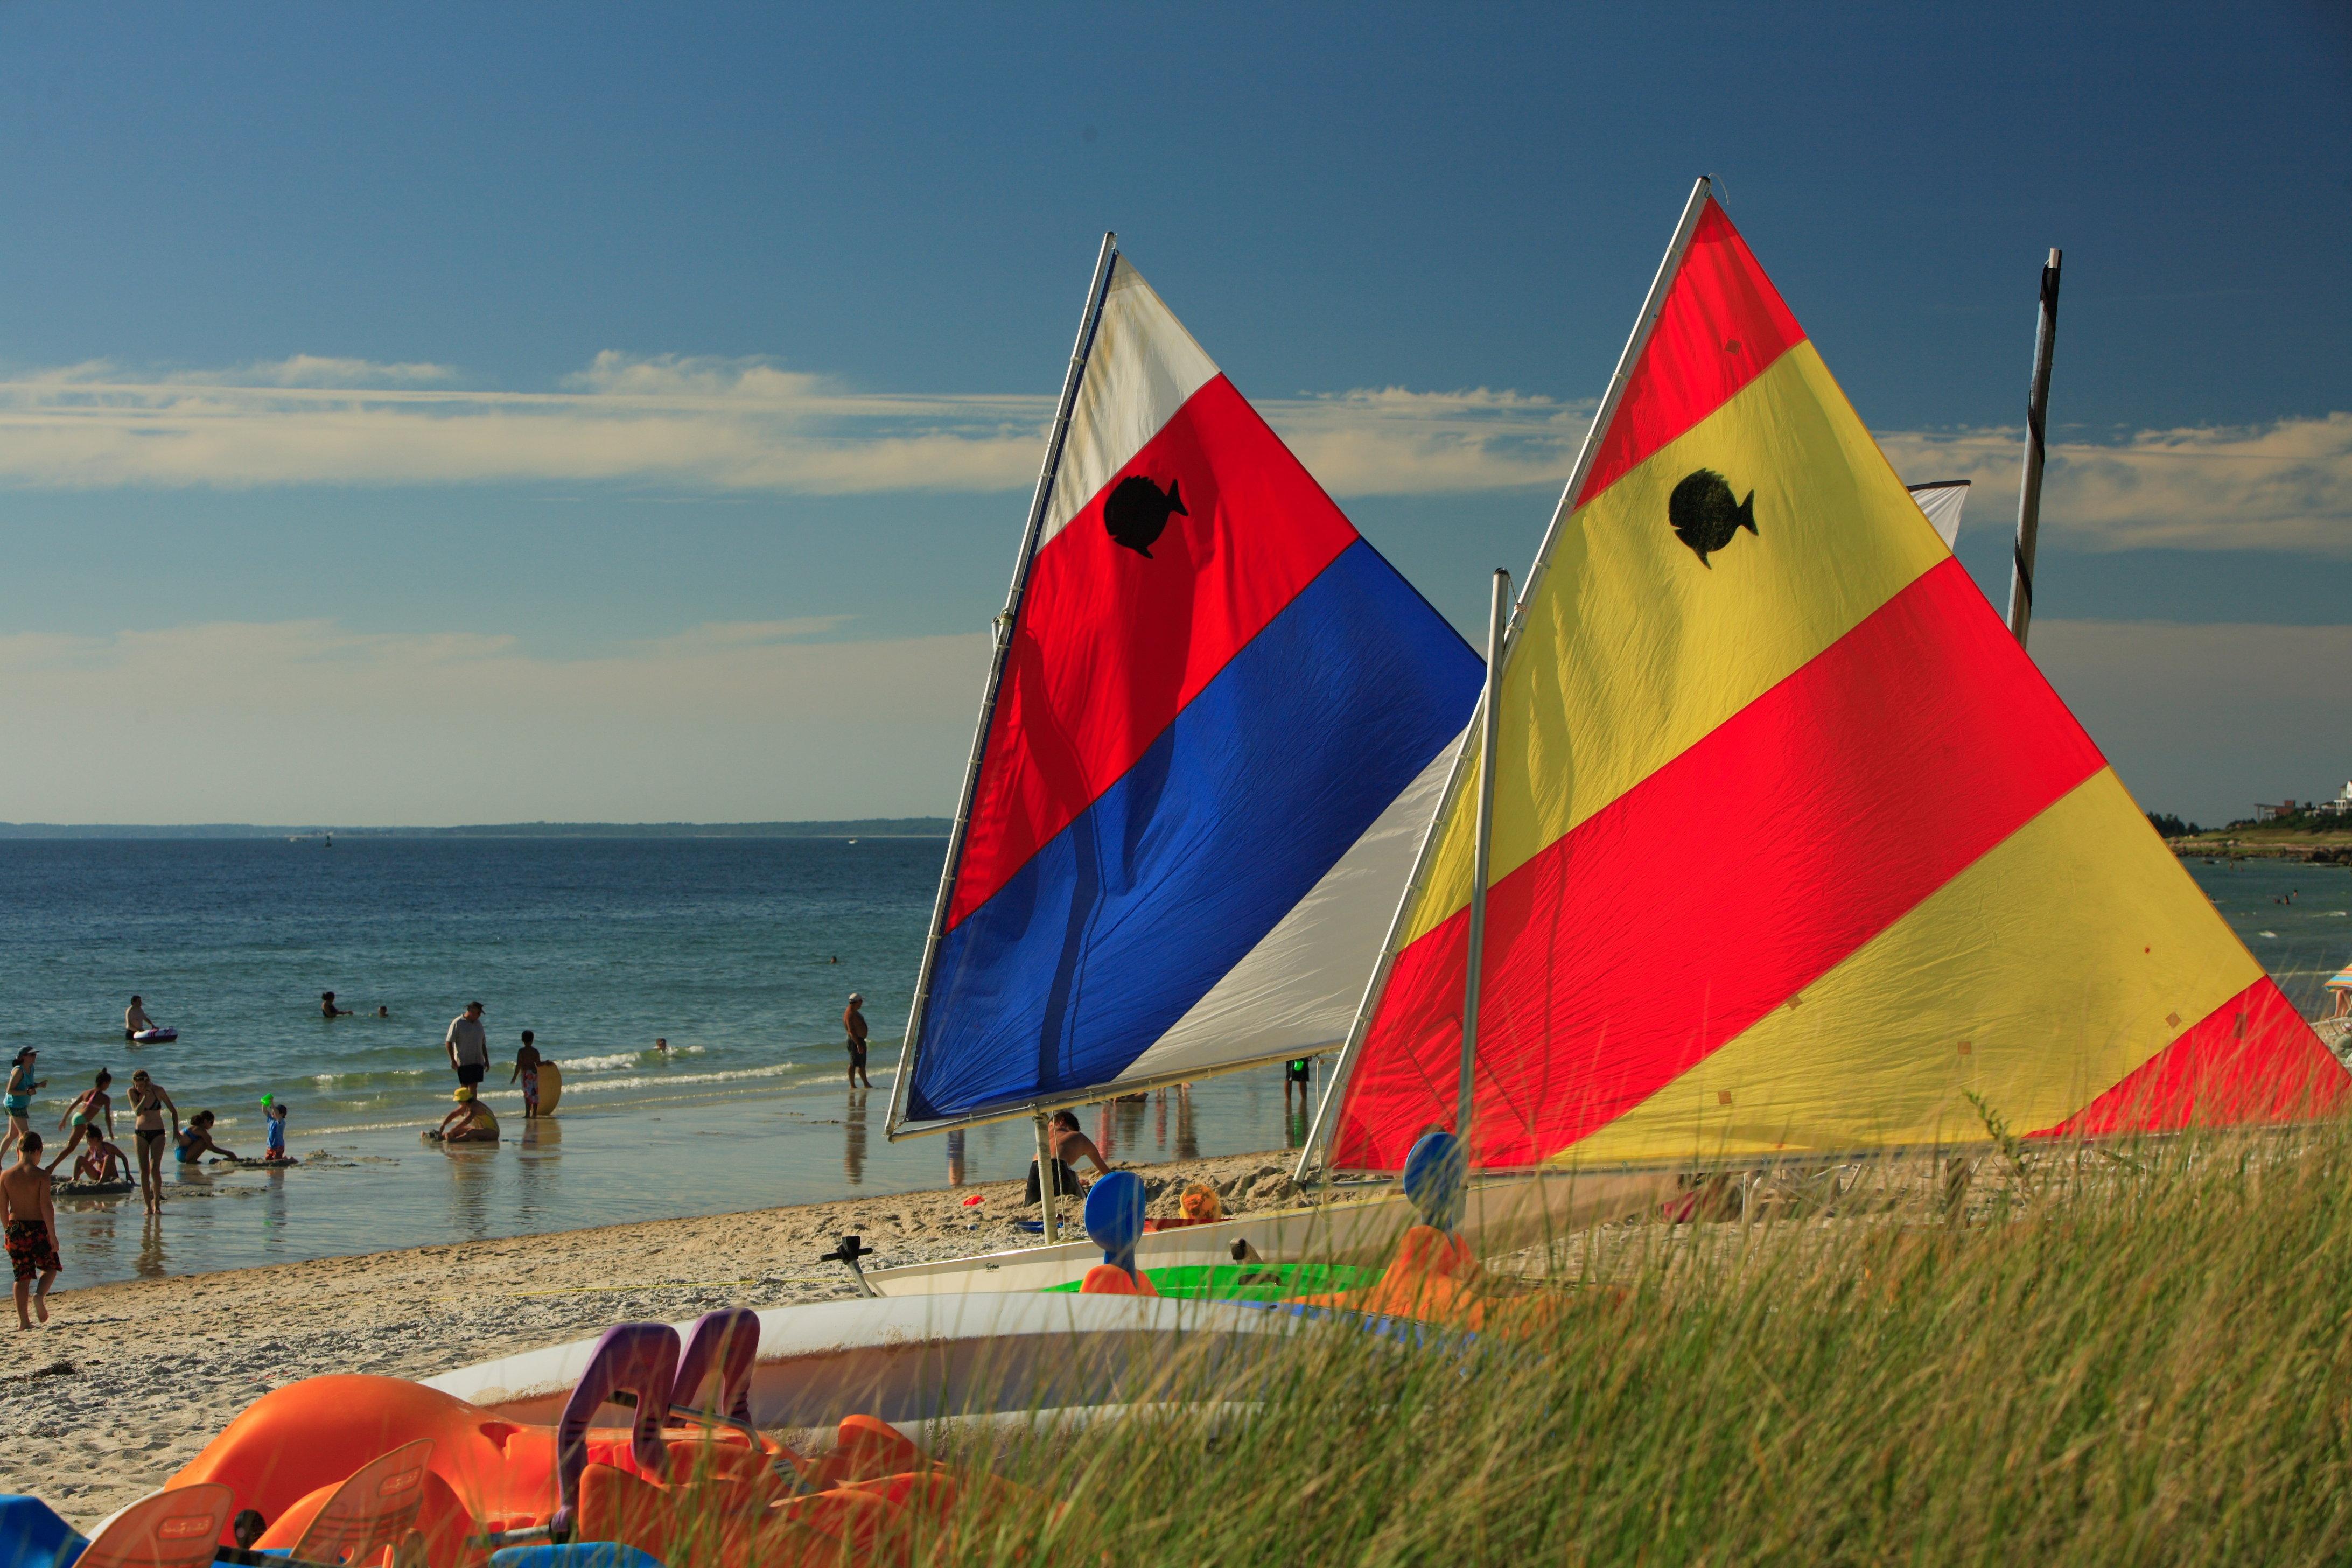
[(19, 1098), (91, 1115), (149, 1099)]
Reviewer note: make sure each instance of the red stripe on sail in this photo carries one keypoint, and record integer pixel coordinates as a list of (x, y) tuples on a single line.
[(2252, 1059), (1723, 884), (1721, 325), (1113, 644)]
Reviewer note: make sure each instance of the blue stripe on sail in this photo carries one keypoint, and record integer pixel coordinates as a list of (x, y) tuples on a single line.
[(1132, 913)]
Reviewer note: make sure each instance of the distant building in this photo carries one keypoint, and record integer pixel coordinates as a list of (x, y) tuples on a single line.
[(2340, 806), (2267, 813)]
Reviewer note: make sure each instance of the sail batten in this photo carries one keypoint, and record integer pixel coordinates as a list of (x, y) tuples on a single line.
[(1214, 697)]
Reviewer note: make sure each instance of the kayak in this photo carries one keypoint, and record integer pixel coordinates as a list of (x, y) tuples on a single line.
[(158, 1037)]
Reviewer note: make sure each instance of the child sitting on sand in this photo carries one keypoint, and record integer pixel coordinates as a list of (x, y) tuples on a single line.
[(100, 1158), (526, 1072), (471, 1123), (196, 1140), (275, 1110)]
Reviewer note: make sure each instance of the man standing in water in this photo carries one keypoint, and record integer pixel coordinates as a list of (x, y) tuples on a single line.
[(135, 1020), (852, 1022), (469, 1047), (31, 1213)]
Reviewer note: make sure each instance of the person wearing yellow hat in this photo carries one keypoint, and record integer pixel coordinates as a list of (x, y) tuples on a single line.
[(470, 1122)]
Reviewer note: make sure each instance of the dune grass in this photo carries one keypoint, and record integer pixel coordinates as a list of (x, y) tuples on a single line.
[(2099, 1357)]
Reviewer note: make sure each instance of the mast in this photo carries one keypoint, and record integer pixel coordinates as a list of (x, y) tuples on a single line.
[(1326, 1113), (2029, 489), (1005, 622), (1489, 721)]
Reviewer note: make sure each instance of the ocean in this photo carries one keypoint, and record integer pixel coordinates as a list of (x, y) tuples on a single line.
[(740, 952)]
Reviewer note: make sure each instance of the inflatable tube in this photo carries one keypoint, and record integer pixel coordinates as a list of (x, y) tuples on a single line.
[(550, 1086), (155, 1036), (686, 1467)]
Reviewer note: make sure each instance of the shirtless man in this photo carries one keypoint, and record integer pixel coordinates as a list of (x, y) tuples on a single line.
[(148, 1098), (852, 1022), (32, 1225), (1069, 1146), (135, 1018)]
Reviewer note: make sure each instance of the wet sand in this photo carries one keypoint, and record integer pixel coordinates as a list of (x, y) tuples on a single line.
[(129, 1380)]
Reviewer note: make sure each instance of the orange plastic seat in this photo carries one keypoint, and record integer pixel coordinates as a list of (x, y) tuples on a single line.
[(175, 1528), (1110, 1279)]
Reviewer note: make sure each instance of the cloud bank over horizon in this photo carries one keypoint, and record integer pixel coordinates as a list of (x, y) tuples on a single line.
[(749, 425)]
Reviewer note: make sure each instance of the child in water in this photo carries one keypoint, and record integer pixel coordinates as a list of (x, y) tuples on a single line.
[(526, 1072), (195, 1141), (275, 1110), (471, 1123)]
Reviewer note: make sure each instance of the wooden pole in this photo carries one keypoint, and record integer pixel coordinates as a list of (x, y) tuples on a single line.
[(2029, 490)]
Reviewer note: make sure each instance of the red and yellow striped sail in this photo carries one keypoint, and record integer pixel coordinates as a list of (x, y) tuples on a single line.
[(1794, 848)]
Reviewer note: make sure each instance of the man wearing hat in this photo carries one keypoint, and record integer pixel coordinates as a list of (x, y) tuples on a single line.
[(853, 1021), (469, 1047)]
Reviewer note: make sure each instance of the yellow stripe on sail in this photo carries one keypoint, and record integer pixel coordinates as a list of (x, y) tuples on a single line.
[(1632, 650), (2037, 978)]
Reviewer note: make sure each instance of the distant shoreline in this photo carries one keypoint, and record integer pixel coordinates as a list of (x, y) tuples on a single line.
[(862, 828), (2324, 846)]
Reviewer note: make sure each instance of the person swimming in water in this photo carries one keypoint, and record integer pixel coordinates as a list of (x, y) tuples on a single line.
[(195, 1141), (135, 1020), (327, 1008)]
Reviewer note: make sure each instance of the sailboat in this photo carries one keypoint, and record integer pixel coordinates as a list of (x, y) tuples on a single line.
[(1213, 733), (1794, 853)]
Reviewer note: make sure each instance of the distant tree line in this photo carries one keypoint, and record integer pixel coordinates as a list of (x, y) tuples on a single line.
[(2172, 826)]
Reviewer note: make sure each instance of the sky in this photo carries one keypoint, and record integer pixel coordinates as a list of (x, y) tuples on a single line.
[(428, 415)]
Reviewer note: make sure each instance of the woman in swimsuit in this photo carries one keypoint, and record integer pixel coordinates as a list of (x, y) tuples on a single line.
[(195, 1141), (19, 1099), (149, 1099)]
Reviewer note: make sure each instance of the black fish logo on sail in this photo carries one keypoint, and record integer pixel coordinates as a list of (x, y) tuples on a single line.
[(1136, 512), (1704, 515)]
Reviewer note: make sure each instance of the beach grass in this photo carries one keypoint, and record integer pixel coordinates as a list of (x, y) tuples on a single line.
[(2111, 1356)]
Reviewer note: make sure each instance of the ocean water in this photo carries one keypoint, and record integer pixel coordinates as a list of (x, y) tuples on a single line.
[(739, 952)]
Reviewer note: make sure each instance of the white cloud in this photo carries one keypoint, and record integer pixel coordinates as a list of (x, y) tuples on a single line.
[(748, 424), (2284, 486), (309, 721)]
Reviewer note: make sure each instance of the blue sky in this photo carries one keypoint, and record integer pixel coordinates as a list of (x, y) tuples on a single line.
[(430, 414)]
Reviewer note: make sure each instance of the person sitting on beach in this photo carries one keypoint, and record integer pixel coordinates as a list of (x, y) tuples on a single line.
[(471, 1123), (327, 1008), (195, 1140), (273, 1111), (99, 1159), (526, 1072), (1068, 1146), (135, 1020), (31, 1212), (19, 1098)]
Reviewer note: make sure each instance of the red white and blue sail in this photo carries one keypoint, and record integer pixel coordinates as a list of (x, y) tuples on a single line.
[(1220, 732)]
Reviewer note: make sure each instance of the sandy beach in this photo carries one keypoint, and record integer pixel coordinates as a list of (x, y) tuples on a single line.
[(129, 1380)]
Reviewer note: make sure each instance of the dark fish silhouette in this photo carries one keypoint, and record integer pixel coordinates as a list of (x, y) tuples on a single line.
[(1137, 513), (1703, 514)]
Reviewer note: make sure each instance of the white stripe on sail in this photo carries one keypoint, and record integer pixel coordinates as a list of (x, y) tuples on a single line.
[(1143, 368), (1298, 989)]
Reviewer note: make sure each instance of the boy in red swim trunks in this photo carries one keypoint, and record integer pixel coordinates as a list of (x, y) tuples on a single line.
[(32, 1222)]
